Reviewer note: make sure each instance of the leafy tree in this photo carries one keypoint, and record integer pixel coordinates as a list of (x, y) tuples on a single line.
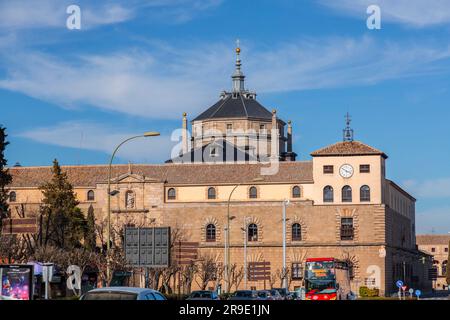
[(90, 239), (64, 224), (5, 177)]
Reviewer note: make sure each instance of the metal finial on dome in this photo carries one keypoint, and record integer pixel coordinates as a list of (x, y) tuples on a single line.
[(348, 131), (238, 77)]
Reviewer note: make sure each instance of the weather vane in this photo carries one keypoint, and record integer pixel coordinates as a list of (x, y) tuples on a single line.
[(348, 131)]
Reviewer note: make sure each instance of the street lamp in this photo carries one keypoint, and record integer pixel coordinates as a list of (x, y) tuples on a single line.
[(108, 227), (285, 204), (244, 230), (227, 234)]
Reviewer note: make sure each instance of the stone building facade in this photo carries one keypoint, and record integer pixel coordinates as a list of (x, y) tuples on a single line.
[(437, 246), (341, 203)]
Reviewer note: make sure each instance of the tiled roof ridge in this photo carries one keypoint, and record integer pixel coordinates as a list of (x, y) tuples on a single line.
[(364, 149)]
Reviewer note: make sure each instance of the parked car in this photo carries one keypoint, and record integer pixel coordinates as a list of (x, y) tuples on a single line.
[(265, 295), (122, 293), (203, 295), (276, 294), (244, 295), (283, 292)]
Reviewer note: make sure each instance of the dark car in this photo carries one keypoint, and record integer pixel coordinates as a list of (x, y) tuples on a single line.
[(244, 295), (265, 295), (284, 293), (203, 295), (276, 295)]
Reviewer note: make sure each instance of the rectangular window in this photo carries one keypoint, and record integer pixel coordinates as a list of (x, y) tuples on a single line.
[(229, 127), (328, 169), (446, 249), (347, 229), (433, 249), (262, 129), (297, 271), (364, 168)]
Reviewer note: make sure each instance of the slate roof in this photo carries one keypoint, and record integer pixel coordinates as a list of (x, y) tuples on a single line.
[(173, 174), (348, 148), (240, 106), (432, 239), (224, 152)]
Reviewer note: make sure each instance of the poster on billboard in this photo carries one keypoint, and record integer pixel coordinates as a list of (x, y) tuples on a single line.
[(16, 282)]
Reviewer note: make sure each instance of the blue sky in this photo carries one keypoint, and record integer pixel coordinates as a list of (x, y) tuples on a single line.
[(138, 65)]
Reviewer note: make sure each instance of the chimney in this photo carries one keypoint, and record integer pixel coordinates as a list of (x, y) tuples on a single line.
[(289, 137), (275, 136), (185, 134)]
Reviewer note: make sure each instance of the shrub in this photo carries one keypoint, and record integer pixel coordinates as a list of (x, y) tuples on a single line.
[(366, 292)]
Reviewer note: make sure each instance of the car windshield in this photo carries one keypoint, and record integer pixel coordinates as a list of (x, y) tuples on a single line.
[(263, 294), (110, 296), (201, 295)]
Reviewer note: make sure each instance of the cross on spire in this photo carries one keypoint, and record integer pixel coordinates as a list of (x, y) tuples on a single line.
[(348, 131)]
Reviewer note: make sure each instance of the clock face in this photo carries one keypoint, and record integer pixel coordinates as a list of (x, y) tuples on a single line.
[(346, 171)]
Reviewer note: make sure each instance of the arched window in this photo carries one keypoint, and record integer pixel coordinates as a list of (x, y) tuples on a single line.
[(444, 267), (253, 193), (364, 194), (296, 232), (328, 194), (12, 196), (90, 195), (347, 194), (211, 233), (296, 192), (129, 199), (212, 193), (171, 194), (252, 232)]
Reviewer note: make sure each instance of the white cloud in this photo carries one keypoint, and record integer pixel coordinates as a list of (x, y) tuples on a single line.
[(432, 188), (31, 14), (28, 14), (416, 13), (100, 137), (132, 82), (165, 80)]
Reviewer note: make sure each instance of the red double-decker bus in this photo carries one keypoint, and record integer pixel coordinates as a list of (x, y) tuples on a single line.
[(326, 279)]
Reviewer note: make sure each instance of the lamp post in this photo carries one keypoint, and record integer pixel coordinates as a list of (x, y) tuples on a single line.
[(227, 235), (285, 204), (108, 226), (244, 230)]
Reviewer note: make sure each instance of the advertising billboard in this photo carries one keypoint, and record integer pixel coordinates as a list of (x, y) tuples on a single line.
[(16, 282)]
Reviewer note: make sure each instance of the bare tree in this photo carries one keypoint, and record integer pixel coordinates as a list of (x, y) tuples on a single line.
[(236, 276), (207, 271), (188, 273)]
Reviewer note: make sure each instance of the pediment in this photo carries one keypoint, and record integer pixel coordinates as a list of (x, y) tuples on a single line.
[(131, 178)]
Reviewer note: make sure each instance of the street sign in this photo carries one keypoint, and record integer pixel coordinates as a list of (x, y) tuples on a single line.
[(259, 271), (418, 293), (19, 226), (186, 252), (399, 284), (411, 291), (404, 288), (147, 247)]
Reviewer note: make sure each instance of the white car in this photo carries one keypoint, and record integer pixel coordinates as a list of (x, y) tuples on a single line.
[(122, 293)]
